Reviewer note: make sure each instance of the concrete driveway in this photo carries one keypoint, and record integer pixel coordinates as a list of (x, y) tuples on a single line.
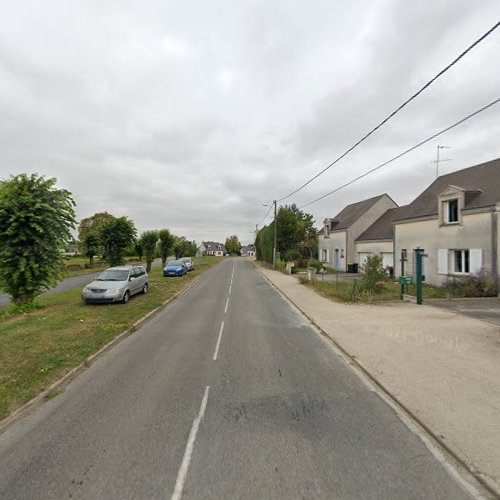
[(485, 308)]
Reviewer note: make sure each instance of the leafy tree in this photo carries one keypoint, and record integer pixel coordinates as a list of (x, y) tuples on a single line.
[(179, 247), (116, 235), (90, 246), (93, 224), (138, 250), (295, 232), (233, 244), (184, 248), (148, 241), (294, 227), (36, 220), (375, 275), (167, 240)]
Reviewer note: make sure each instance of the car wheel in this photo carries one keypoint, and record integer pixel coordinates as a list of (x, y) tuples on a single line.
[(126, 297), (145, 289)]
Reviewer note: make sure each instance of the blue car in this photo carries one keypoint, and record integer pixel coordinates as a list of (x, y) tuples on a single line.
[(175, 268)]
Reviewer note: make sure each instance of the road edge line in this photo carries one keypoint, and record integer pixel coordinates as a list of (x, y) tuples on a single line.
[(460, 465), (67, 378)]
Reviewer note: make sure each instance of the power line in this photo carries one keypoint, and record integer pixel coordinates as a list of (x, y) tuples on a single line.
[(397, 110), (468, 117), (265, 216)]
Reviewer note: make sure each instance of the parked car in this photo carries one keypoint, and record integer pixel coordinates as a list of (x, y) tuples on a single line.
[(175, 268), (189, 263), (116, 284)]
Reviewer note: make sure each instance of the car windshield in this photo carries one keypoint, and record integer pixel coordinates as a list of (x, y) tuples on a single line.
[(113, 275), (186, 259), (175, 263)]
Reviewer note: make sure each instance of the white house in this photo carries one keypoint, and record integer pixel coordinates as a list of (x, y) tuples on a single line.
[(337, 239), (211, 248), (248, 251), (455, 223)]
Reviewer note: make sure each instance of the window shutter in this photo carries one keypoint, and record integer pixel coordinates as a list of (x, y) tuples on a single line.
[(475, 260), (442, 261)]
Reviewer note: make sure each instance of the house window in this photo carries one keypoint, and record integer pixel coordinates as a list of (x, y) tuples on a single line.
[(450, 211), (462, 261), (324, 255)]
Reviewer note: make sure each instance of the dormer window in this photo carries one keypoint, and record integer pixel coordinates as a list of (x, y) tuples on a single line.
[(452, 211)]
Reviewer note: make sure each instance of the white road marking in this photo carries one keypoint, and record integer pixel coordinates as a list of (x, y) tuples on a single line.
[(227, 303), (218, 341), (182, 474), (230, 286)]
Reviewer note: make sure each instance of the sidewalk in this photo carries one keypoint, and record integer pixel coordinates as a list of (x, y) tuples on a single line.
[(443, 367)]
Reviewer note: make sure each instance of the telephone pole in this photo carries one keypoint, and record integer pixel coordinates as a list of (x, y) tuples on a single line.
[(275, 235)]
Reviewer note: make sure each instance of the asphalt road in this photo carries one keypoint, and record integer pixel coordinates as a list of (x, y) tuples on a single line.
[(261, 407), (68, 284)]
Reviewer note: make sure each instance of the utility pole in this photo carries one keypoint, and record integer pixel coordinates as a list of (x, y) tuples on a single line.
[(275, 235), (437, 160)]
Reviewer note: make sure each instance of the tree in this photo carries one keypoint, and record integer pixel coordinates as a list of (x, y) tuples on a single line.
[(138, 250), (90, 246), (375, 275), (233, 244), (167, 240), (184, 248), (179, 247), (93, 224), (36, 220), (148, 241), (116, 235)]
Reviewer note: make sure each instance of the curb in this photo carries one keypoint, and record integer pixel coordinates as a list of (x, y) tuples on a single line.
[(73, 373), (437, 441)]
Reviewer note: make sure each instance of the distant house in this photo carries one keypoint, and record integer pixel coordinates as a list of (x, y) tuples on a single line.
[(454, 223), (248, 251), (211, 248), (337, 239)]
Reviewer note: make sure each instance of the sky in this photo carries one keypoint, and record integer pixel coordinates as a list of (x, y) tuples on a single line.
[(191, 115)]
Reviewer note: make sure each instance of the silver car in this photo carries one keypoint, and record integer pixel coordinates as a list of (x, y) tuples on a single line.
[(188, 261), (116, 284)]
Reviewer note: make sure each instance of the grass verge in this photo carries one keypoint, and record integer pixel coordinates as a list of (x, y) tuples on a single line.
[(40, 346), (343, 291)]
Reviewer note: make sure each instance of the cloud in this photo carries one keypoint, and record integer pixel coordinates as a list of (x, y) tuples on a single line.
[(190, 117)]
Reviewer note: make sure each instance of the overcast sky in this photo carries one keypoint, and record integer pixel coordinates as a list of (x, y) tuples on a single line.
[(191, 114)]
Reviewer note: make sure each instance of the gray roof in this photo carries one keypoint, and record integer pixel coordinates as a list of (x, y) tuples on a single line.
[(383, 228), (351, 213), (214, 246), (482, 183)]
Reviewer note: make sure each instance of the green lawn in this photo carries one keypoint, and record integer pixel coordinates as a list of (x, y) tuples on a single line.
[(75, 266), (40, 346), (343, 291)]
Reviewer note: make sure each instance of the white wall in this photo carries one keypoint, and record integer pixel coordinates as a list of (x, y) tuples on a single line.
[(363, 223), (475, 232), (382, 248), (337, 239)]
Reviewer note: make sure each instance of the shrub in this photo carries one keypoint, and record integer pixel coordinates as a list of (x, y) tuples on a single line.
[(292, 255), (482, 284), (280, 264), (316, 264), (374, 275)]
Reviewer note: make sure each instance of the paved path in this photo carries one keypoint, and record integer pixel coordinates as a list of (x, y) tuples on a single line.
[(228, 393), (68, 284), (487, 308)]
